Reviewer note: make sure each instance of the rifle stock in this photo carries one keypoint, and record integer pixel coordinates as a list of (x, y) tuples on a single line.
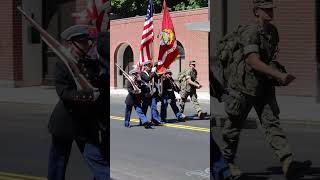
[(62, 53), (127, 76)]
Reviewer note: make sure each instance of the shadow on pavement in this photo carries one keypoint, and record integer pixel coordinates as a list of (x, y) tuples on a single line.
[(196, 118), (253, 177), (312, 174)]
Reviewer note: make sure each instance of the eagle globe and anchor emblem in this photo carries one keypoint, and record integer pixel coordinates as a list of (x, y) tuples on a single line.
[(166, 37)]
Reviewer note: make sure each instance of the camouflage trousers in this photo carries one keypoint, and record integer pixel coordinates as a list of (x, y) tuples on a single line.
[(238, 106), (194, 99)]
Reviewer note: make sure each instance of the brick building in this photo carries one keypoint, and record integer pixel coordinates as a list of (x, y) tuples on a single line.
[(25, 60), (193, 45)]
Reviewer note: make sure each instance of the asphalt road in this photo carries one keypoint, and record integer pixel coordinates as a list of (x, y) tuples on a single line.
[(176, 151), (256, 159), (25, 143), (173, 152)]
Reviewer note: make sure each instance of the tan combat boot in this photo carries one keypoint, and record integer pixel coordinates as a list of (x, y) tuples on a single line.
[(235, 170), (290, 169), (200, 115), (293, 170), (286, 167)]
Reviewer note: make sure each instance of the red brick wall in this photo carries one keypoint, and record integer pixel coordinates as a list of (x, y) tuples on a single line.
[(295, 20), (17, 41), (6, 51), (11, 66), (10, 45), (195, 43)]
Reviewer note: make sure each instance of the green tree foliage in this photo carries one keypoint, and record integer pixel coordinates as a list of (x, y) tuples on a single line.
[(131, 8)]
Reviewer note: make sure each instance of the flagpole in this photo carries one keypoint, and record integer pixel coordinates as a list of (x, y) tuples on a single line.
[(152, 51), (152, 55)]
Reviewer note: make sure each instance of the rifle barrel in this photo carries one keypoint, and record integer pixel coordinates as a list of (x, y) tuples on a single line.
[(62, 53)]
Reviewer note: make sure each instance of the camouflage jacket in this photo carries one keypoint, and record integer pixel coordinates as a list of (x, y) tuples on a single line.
[(263, 41), (190, 74)]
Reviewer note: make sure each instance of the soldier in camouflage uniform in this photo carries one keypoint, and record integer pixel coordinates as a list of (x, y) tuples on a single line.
[(189, 87), (252, 84)]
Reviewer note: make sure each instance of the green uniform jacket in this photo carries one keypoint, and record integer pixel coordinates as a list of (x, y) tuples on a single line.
[(263, 41), (190, 74)]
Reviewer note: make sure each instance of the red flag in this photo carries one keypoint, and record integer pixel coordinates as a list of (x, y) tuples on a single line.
[(168, 45)]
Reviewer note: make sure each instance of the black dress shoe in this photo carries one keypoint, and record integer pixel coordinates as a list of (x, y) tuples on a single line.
[(147, 125), (156, 123), (181, 120), (127, 124)]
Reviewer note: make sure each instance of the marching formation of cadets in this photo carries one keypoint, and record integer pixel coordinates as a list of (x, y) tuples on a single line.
[(148, 88)]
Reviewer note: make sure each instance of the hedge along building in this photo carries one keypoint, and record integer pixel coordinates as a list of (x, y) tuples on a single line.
[(25, 60), (297, 23), (125, 38)]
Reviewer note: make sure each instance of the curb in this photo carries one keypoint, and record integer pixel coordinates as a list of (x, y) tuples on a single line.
[(205, 96)]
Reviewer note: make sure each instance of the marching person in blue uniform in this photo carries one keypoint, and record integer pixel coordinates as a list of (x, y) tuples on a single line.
[(150, 91), (134, 100), (80, 115), (168, 96)]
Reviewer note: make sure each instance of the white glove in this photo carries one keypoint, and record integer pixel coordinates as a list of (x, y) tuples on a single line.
[(138, 91), (153, 69), (96, 94)]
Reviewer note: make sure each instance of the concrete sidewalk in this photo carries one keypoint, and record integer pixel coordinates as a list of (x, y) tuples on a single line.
[(34, 94), (48, 95), (202, 96), (297, 110)]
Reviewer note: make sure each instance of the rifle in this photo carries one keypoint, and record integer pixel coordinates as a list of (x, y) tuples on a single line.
[(64, 55), (161, 85), (174, 85), (127, 76)]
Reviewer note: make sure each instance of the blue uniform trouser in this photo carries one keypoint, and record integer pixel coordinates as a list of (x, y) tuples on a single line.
[(174, 107), (153, 105), (139, 112), (59, 155), (220, 169)]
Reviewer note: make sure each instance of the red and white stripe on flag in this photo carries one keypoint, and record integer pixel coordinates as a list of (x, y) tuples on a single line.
[(97, 11), (146, 51)]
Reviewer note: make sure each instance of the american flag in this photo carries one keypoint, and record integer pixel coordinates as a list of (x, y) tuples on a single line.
[(146, 48), (98, 10)]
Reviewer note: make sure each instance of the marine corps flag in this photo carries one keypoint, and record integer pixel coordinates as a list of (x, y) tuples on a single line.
[(168, 51)]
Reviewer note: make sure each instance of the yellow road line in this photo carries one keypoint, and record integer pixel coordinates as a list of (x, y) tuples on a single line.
[(177, 126), (9, 178), (13, 176)]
